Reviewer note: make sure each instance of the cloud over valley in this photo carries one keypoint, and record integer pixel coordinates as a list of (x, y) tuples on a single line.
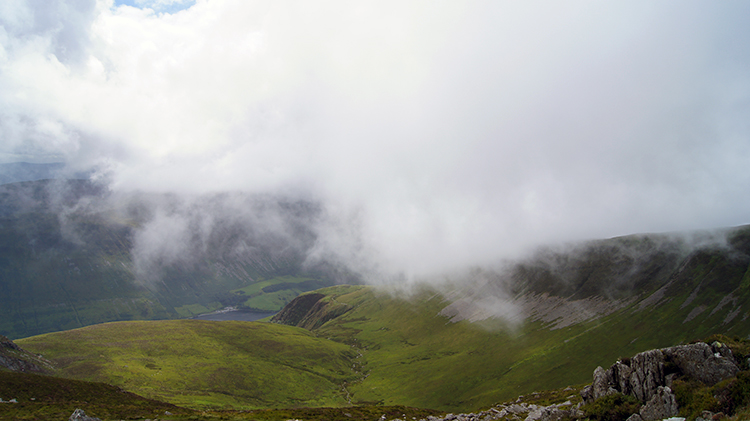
[(429, 135)]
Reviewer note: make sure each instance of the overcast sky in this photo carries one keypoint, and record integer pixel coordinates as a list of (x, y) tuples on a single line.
[(445, 132)]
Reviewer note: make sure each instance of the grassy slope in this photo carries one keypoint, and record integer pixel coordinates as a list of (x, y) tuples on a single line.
[(273, 294), (411, 355), (416, 357), (205, 364), (49, 398)]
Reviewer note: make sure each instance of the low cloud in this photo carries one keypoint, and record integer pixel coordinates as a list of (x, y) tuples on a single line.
[(433, 136)]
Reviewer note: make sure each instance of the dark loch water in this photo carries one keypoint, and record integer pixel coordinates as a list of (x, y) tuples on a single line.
[(242, 315)]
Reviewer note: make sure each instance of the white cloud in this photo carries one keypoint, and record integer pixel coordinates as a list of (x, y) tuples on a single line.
[(457, 132)]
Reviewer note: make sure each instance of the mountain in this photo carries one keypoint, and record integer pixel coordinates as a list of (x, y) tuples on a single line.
[(542, 323), (13, 172), (462, 342), (73, 254), (545, 322)]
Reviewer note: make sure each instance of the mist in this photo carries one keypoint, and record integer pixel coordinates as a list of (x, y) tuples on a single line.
[(430, 136)]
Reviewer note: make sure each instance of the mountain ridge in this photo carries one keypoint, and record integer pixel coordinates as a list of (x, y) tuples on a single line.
[(72, 253)]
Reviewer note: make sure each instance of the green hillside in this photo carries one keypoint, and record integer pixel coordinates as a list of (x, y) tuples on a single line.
[(413, 356), (205, 364), (416, 354), (48, 398), (542, 323)]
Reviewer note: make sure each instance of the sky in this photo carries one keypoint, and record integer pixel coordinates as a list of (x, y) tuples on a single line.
[(436, 134)]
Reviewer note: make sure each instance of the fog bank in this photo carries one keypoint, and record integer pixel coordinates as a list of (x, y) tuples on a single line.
[(432, 135)]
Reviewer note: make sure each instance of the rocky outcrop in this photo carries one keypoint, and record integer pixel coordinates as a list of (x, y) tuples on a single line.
[(662, 405), (648, 376), (708, 364), (15, 358), (80, 415), (310, 311), (294, 313), (516, 411)]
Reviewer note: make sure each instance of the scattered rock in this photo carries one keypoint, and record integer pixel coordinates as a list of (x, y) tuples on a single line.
[(80, 415), (705, 416)]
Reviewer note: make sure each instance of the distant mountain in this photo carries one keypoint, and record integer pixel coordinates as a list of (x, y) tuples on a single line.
[(74, 254), (14, 172)]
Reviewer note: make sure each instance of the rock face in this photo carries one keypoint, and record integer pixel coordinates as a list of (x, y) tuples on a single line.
[(709, 364), (310, 311), (662, 405), (642, 375), (14, 358), (648, 376)]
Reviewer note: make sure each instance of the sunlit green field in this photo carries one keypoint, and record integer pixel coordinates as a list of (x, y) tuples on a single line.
[(205, 364)]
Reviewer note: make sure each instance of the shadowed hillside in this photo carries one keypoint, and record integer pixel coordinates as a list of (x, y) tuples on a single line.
[(73, 254)]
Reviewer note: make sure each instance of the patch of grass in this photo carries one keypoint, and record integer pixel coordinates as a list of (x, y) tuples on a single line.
[(616, 407), (556, 396), (733, 394), (203, 364), (693, 397), (273, 294), (50, 398)]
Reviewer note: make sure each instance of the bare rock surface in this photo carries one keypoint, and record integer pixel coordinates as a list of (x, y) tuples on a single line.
[(555, 312), (662, 405), (708, 363), (80, 415), (15, 358), (642, 375), (648, 376)]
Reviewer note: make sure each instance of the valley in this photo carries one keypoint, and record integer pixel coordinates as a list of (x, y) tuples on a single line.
[(71, 255), (76, 299)]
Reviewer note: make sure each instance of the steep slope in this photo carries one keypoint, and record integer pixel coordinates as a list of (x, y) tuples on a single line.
[(73, 254), (497, 342), (201, 364)]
